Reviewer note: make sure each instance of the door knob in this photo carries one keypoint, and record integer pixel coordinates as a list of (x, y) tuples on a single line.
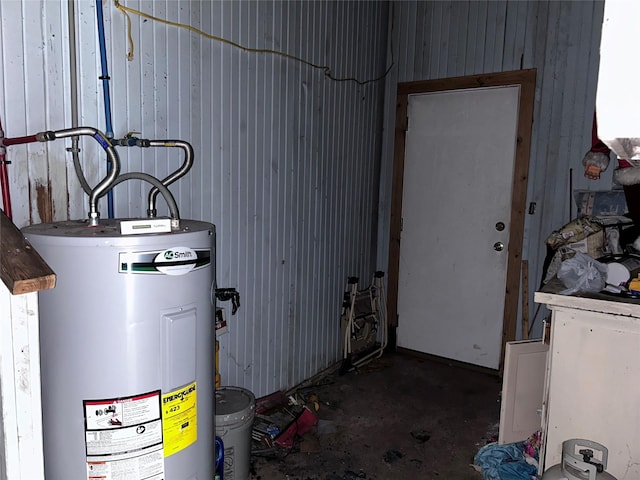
[(498, 246)]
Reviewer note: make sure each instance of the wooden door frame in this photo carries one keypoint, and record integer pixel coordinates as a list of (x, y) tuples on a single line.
[(526, 79)]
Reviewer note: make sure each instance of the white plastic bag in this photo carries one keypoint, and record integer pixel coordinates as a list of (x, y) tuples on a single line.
[(582, 274)]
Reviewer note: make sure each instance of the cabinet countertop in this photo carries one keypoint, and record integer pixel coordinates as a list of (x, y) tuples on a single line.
[(595, 302)]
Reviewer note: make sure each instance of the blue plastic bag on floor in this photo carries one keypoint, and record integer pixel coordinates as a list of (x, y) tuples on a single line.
[(504, 462)]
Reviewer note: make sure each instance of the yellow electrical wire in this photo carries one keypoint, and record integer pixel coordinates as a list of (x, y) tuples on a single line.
[(325, 69)]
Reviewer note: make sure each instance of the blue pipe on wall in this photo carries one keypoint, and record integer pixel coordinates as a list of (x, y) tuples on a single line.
[(107, 97)]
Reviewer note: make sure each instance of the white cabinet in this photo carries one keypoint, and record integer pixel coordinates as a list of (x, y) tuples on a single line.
[(592, 385)]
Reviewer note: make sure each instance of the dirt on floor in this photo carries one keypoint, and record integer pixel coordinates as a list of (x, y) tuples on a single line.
[(399, 417)]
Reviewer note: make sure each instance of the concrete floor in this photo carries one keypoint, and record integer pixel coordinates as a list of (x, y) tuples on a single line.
[(399, 417)]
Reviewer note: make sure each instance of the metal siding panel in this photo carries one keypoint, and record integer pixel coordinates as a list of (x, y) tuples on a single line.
[(233, 250), (164, 88), (520, 36), (438, 47), (262, 215), (290, 153), (311, 341), (252, 253), (460, 19), (529, 28), (579, 48), (126, 88), (301, 219), (315, 306), (327, 15), (248, 188), (492, 31), (305, 159), (446, 51), (153, 99), (572, 107), (532, 55), (35, 94), (480, 52), (499, 45), (550, 114), (541, 123), (54, 20), (320, 300), (421, 42), (406, 33), (472, 36), (334, 178), (197, 62), (89, 102), (177, 44), (279, 344), (510, 51)]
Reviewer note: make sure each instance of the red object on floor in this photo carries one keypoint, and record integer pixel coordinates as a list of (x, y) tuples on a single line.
[(271, 402), (299, 426)]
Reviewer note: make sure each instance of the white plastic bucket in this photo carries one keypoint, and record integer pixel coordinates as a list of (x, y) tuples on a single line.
[(235, 410)]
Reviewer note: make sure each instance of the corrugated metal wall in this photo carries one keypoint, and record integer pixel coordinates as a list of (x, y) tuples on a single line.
[(287, 160), (561, 39)]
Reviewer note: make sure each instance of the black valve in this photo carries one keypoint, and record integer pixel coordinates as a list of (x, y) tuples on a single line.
[(587, 455), (226, 294)]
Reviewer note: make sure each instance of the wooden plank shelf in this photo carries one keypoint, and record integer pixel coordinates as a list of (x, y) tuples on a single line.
[(22, 269)]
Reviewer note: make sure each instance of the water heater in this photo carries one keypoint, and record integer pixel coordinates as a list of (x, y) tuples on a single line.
[(127, 351)]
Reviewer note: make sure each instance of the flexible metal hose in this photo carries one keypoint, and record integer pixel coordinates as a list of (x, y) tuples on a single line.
[(107, 182), (158, 185), (180, 172)]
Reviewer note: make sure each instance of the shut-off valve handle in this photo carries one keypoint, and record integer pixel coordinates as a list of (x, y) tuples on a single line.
[(587, 455), (226, 294)]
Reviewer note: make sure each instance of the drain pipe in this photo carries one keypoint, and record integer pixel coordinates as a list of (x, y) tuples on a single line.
[(106, 183), (105, 89)]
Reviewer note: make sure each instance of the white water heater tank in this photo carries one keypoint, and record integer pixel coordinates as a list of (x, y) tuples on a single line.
[(127, 352)]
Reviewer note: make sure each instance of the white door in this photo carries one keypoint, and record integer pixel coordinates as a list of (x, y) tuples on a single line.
[(458, 174)]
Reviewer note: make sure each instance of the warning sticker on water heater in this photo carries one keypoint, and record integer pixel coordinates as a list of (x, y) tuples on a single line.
[(123, 438), (179, 419)]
